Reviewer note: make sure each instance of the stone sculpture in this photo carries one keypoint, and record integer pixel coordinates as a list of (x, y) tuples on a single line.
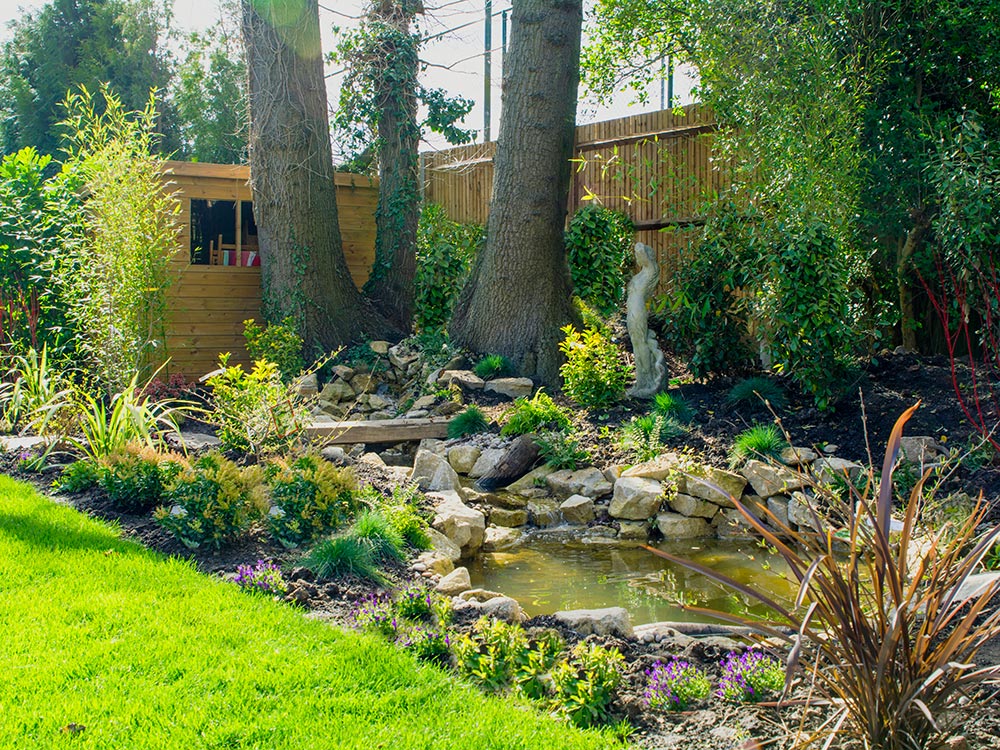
[(650, 368)]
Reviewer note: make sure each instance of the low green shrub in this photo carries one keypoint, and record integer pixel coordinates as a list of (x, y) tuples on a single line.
[(561, 450), (255, 411), (78, 477), (756, 391), (341, 556), (402, 510), (493, 366), (584, 684), (760, 441), (279, 343), (599, 250), (468, 422), (490, 654), (533, 414), (415, 602), (675, 685), (134, 478), (427, 644), (309, 497), (594, 374), (671, 406), (385, 544), (212, 502), (445, 250)]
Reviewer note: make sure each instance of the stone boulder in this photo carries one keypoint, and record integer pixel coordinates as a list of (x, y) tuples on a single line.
[(531, 481), (510, 387), (636, 531), (454, 583), (829, 468), (543, 512), (768, 480), (498, 539), (693, 507), (487, 462), (444, 546), (462, 378), (800, 512), (709, 483), (508, 517), (589, 482), (636, 498), (658, 468), (920, 449), (464, 526), (730, 524), (463, 457), (432, 473), (676, 526), (608, 621), (796, 456), (577, 509), (336, 391), (778, 505)]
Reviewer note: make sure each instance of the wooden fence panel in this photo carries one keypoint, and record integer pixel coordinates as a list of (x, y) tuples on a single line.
[(656, 167)]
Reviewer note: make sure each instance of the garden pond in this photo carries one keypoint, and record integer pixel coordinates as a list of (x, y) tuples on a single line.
[(550, 572)]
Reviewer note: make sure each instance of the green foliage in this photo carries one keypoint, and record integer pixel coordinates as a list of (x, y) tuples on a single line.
[(533, 414), (751, 676), (212, 502), (760, 441), (491, 652), (756, 390), (309, 497), (642, 438), (87, 43), (561, 450), (593, 374), (599, 250), (585, 683), (78, 476), (374, 531), (445, 250), (884, 605), (493, 366), (134, 478), (38, 395), (255, 412), (402, 510), (341, 556), (468, 422), (415, 602), (671, 406), (129, 418), (34, 214), (279, 343), (675, 685)]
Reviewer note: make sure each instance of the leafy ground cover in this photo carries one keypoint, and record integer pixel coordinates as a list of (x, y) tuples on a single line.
[(109, 645)]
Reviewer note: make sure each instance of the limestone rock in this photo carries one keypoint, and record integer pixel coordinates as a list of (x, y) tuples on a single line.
[(589, 482), (636, 498), (664, 633), (433, 473), (799, 512), (335, 455), (502, 608), (715, 485), (578, 509), (487, 462), (920, 449), (531, 480), (794, 456), (435, 562), (306, 385), (608, 621), (424, 402), (379, 347), (462, 378), (434, 445), (829, 468), (463, 457), (508, 518), (730, 524), (503, 500), (633, 530), (694, 507), (768, 481), (454, 583), (372, 459), (443, 546), (658, 468), (196, 442), (362, 383), (336, 391), (676, 526), (510, 387), (343, 372), (463, 525), (498, 539), (544, 513), (778, 505)]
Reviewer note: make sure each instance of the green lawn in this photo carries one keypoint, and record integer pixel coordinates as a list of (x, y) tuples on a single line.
[(144, 652)]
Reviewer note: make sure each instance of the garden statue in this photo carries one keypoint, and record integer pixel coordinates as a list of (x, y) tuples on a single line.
[(650, 369)]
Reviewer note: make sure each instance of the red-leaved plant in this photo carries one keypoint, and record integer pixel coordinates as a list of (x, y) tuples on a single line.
[(889, 621)]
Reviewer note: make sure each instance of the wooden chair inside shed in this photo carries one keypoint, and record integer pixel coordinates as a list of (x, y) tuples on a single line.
[(217, 253)]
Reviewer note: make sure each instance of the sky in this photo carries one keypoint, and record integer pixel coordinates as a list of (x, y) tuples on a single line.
[(455, 57)]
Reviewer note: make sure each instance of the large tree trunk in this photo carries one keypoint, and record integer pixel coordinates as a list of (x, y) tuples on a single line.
[(391, 283), (304, 274), (519, 293)]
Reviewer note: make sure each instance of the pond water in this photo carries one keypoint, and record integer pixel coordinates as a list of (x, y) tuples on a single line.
[(547, 574)]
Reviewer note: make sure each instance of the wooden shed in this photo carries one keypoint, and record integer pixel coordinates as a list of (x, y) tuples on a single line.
[(217, 285)]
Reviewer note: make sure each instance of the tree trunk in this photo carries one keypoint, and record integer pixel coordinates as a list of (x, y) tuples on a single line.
[(304, 273), (518, 295), (391, 284), (904, 256)]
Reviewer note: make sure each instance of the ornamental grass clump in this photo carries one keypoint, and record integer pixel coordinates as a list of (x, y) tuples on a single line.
[(469, 422), (671, 406), (760, 441), (534, 414), (888, 627), (265, 577), (757, 391), (675, 685), (750, 677), (493, 366)]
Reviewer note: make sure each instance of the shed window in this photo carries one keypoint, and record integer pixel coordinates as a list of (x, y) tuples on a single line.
[(223, 233)]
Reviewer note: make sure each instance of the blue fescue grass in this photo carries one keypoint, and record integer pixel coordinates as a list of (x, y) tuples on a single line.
[(144, 652)]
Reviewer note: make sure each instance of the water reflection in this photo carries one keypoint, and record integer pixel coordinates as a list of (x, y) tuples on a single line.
[(547, 575)]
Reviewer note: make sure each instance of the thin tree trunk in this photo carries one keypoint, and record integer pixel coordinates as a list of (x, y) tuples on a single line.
[(904, 256), (391, 284), (304, 273), (518, 295)]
